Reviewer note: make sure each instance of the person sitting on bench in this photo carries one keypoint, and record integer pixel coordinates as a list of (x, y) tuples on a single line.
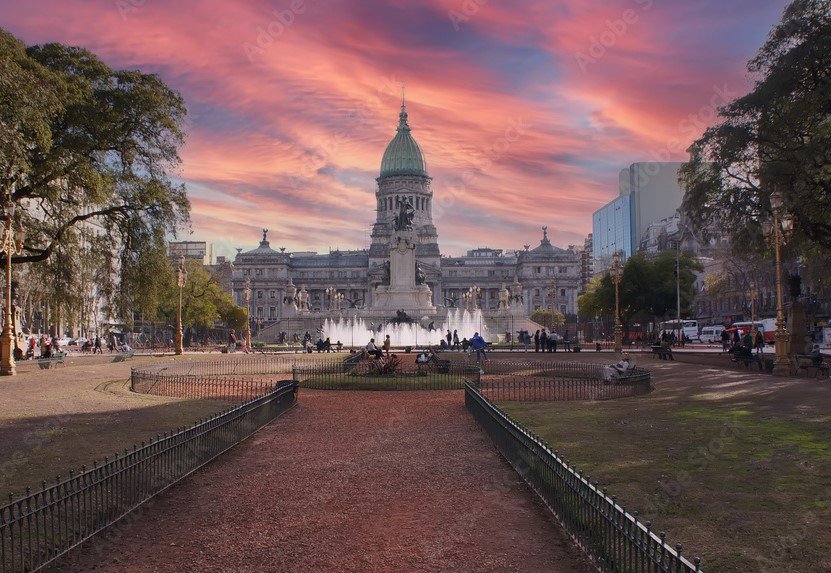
[(373, 350), (623, 367), (816, 356)]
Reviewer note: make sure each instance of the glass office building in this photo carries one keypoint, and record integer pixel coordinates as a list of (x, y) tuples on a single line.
[(612, 231)]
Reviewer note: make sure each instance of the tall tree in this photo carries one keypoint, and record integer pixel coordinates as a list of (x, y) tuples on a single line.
[(90, 144), (647, 289), (776, 137)]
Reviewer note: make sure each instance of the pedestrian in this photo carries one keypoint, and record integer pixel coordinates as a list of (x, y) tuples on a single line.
[(478, 344), (96, 348), (327, 344), (449, 338), (526, 339), (544, 341), (232, 341), (737, 337), (760, 342), (725, 340), (537, 341), (566, 342), (553, 340), (387, 345), (456, 344)]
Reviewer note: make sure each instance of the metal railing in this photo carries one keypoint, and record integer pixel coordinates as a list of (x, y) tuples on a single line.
[(506, 380), (44, 525), (614, 539), (370, 375), (232, 379)]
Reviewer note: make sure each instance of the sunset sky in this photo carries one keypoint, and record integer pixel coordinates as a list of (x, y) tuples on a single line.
[(526, 111)]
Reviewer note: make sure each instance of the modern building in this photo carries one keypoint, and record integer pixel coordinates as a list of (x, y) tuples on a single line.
[(648, 193), (191, 250), (546, 276)]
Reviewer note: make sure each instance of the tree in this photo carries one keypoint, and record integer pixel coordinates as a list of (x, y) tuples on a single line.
[(548, 317), (776, 137), (204, 303), (647, 289), (85, 144)]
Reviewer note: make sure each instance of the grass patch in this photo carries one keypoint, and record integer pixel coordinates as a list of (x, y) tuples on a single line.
[(730, 475)]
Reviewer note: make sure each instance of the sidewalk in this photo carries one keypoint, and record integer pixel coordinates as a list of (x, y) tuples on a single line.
[(349, 481)]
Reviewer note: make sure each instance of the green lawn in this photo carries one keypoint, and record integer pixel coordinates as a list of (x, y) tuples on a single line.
[(735, 467)]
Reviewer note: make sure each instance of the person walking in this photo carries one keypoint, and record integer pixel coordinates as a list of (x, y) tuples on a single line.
[(96, 348), (760, 342), (449, 338), (456, 344), (387, 345), (537, 341), (725, 340), (526, 339), (477, 343), (232, 341), (544, 341), (553, 339)]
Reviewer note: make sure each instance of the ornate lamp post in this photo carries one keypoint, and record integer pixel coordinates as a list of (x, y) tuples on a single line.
[(753, 294), (246, 293), (616, 275), (339, 298), (12, 243), (330, 298), (181, 277), (777, 232)]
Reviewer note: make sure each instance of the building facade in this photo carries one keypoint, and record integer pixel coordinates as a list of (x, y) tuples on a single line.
[(545, 276)]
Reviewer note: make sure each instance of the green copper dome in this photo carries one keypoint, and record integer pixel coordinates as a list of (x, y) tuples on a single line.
[(403, 155)]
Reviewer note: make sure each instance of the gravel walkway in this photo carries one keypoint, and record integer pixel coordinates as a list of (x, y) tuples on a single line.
[(347, 481)]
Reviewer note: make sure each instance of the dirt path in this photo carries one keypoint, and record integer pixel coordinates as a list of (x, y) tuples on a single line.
[(348, 481)]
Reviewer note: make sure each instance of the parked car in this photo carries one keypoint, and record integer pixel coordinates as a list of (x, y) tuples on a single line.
[(711, 334)]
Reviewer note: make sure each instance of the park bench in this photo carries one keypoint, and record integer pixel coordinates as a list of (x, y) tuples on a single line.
[(662, 352), (122, 356), (801, 362), (747, 360), (57, 359), (436, 364)]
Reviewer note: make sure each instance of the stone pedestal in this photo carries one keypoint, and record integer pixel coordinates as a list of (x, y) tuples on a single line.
[(403, 293)]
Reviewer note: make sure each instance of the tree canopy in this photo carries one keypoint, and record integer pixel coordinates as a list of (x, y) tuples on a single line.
[(204, 303), (778, 136), (548, 317), (647, 288), (86, 146)]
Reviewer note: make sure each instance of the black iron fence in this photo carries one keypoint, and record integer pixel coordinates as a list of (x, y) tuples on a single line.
[(229, 379), (369, 374), (616, 540), (505, 380), (43, 525)]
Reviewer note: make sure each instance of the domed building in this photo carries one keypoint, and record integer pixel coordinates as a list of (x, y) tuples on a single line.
[(546, 276)]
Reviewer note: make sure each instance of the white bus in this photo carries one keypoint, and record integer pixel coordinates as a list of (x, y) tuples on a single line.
[(689, 328)]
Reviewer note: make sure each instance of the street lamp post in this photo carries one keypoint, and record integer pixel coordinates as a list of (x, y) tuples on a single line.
[(777, 235), (181, 277), (616, 275), (753, 293), (12, 243), (246, 293)]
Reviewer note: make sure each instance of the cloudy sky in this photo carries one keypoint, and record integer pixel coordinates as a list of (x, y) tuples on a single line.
[(526, 110)]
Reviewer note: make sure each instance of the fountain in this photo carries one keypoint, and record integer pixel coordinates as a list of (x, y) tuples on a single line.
[(358, 330)]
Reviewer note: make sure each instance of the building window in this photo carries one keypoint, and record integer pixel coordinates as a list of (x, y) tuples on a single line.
[(538, 270), (272, 312), (259, 294), (273, 294), (563, 269), (536, 292), (562, 292), (562, 309), (491, 273)]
